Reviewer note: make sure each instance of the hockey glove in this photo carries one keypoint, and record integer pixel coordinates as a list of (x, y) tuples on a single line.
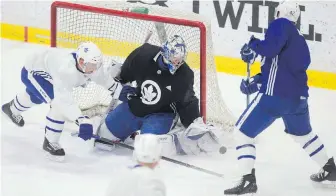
[(252, 87), (252, 41), (85, 128), (247, 54), (126, 93)]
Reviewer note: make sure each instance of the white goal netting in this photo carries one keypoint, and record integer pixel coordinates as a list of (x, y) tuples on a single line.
[(117, 34)]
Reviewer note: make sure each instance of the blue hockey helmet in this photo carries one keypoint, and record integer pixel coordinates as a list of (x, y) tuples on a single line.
[(174, 53)]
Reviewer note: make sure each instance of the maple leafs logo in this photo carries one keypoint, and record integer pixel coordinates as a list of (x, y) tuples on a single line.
[(151, 92), (148, 93)]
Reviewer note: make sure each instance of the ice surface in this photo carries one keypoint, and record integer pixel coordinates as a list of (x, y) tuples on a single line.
[(282, 167)]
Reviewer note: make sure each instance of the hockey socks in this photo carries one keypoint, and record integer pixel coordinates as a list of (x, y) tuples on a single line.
[(21, 103), (246, 155), (313, 147), (54, 126), (246, 152), (53, 131)]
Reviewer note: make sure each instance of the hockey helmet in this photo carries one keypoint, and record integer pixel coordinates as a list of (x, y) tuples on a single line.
[(174, 53), (147, 148), (288, 10), (90, 55)]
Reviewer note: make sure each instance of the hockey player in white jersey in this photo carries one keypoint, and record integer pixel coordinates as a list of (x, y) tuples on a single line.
[(141, 178), (50, 77)]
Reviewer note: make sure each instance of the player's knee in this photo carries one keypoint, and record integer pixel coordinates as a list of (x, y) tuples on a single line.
[(35, 99), (242, 137), (299, 132), (248, 132), (303, 139)]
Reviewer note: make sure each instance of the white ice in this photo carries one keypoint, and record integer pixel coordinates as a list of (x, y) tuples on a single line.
[(282, 167)]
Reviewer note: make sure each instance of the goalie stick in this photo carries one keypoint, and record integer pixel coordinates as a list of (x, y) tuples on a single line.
[(163, 157)]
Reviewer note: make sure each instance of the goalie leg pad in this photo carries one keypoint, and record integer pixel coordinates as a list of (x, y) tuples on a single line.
[(186, 145), (170, 145), (178, 144), (203, 136), (208, 142), (104, 132)]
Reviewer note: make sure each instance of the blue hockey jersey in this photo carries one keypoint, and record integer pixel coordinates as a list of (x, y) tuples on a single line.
[(286, 58)]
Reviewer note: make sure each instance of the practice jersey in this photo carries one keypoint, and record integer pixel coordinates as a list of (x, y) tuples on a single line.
[(286, 58), (137, 180), (59, 67), (159, 91)]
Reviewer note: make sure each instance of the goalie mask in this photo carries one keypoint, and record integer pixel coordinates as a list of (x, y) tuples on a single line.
[(174, 53), (288, 10), (89, 57)]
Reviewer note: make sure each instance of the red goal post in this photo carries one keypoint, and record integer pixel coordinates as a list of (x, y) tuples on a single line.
[(98, 22)]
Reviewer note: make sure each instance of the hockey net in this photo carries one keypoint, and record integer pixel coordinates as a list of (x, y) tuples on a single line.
[(119, 27)]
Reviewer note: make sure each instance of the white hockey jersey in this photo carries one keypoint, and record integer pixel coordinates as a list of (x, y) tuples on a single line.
[(136, 181), (61, 66)]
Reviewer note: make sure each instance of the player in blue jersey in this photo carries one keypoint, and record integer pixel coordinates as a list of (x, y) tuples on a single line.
[(283, 93)]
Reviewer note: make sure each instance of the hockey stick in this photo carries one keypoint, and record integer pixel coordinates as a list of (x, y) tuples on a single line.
[(149, 34), (248, 71), (163, 157)]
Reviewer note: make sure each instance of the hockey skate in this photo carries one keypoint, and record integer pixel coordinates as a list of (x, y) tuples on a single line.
[(247, 185), (54, 151), (326, 177), (17, 119)]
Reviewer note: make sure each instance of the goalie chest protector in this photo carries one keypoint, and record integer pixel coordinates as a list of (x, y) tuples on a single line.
[(157, 90)]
